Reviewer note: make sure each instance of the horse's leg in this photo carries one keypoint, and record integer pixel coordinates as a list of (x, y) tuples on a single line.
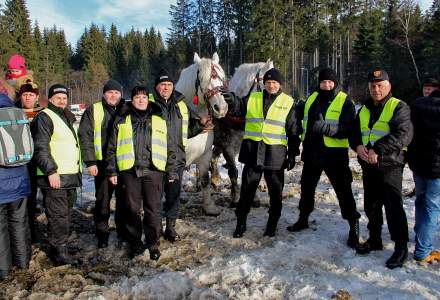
[(208, 204), (229, 155), (215, 175)]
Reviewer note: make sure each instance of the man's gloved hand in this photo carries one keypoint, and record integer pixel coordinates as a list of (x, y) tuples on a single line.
[(323, 127), (290, 163)]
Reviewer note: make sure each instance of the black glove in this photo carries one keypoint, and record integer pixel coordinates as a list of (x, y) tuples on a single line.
[(229, 97), (321, 126), (290, 163)]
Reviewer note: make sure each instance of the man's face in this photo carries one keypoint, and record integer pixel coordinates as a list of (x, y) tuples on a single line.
[(140, 101), (428, 89), (165, 89), (379, 89), (272, 86), (28, 100), (112, 97), (327, 85), (59, 100)]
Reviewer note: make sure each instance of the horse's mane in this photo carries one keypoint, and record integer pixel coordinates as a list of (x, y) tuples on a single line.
[(243, 77)]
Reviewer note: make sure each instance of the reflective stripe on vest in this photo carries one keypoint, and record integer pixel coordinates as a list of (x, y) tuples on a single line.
[(63, 145), (125, 155), (331, 117), (185, 119), (98, 117), (271, 130), (381, 127)]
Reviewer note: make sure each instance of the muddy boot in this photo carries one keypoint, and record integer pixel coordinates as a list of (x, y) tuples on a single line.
[(240, 228), (59, 256), (102, 240), (170, 233), (353, 234), (136, 249), (271, 226), (398, 258), (374, 243), (4, 275), (154, 252), (301, 224)]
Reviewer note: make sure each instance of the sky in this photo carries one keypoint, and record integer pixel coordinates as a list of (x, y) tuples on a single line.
[(75, 16)]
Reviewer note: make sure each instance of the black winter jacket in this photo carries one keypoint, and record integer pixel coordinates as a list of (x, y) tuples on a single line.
[(141, 122), (271, 157), (390, 147), (424, 150), (86, 131), (314, 148), (42, 130), (174, 122)]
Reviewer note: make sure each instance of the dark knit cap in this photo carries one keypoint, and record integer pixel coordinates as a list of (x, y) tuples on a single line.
[(378, 75), (112, 85), (327, 74), (28, 88), (273, 74), (163, 76), (431, 82), (56, 89)]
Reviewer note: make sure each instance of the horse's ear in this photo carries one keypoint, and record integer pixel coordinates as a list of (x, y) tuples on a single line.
[(196, 58), (215, 58), (269, 63)]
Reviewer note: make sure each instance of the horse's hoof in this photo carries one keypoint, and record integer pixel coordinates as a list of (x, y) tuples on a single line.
[(212, 211)]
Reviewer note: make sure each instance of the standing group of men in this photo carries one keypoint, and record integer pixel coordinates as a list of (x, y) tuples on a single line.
[(136, 150), (327, 124)]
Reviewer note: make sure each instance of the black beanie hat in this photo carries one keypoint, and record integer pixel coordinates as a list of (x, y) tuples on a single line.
[(273, 74), (328, 74), (431, 82), (56, 89), (112, 85), (162, 77)]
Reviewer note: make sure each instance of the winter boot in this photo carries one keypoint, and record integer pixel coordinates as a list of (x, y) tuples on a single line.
[(102, 240), (271, 226), (60, 256), (4, 275), (302, 223), (241, 227), (353, 234), (398, 258), (136, 249), (154, 252), (170, 233), (374, 243)]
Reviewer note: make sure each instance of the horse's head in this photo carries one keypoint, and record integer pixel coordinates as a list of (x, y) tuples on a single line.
[(209, 82)]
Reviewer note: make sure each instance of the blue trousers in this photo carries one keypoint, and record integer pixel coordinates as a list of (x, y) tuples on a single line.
[(427, 210)]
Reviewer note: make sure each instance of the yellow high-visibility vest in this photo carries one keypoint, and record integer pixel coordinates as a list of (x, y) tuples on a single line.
[(331, 117), (272, 129), (64, 146), (381, 128), (125, 155), (185, 119), (98, 117)]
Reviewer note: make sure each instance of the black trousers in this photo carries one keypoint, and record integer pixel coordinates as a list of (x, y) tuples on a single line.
[(58, 205), (146, 192), (32, 198), (172, 196), (15, 245), (251, 177), (339, 174), (104, 190), (383, 187)]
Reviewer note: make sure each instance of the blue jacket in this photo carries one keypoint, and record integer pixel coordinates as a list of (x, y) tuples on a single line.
[(14, 182)]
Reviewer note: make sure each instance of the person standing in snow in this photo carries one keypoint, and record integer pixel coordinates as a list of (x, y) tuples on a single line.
[(327, 118), (383, 130), (270, 145), (424, 161), (94, 129)]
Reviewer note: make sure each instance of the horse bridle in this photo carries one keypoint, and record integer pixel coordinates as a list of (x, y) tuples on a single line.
[(257, 79), (210, 92)]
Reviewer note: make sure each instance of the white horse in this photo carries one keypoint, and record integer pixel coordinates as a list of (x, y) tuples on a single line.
[(200, 83), (229, 131)]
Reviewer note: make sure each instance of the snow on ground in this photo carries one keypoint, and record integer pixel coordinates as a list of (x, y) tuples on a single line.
[(209, 264)]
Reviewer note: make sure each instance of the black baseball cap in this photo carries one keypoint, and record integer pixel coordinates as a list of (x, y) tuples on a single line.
[(378, 75)]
